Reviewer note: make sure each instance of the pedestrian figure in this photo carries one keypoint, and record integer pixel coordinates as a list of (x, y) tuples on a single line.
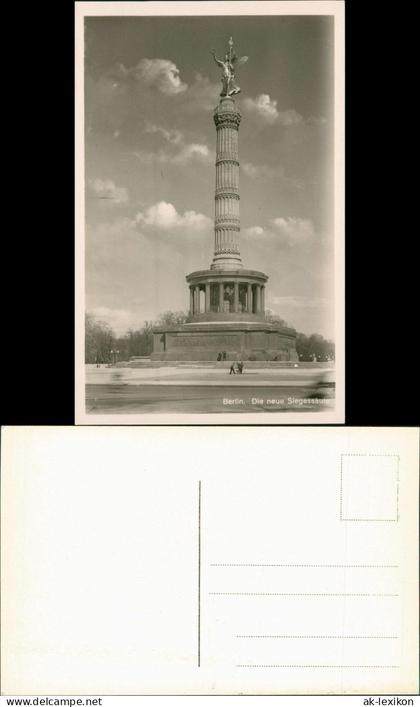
[(232, 369), (224, 355), (240, 366), (219, 356)]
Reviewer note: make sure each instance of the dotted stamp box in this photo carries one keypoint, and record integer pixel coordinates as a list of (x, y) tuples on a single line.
[(369, 487)]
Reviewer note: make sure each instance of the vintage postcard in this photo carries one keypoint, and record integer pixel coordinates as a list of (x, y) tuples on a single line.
[(150, 560), (209, 212)]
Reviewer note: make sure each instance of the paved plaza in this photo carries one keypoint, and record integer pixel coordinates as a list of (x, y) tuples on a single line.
[(194, 389)]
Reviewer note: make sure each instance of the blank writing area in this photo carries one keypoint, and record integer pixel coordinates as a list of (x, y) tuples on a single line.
[(296, 599)]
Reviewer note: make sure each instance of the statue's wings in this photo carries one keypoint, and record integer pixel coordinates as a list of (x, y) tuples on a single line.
[(241, 60)]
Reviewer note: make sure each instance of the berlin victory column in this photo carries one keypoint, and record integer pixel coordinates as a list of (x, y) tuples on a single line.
[(227, 301)]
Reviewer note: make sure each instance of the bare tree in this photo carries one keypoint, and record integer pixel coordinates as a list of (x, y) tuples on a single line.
[(99, 340)]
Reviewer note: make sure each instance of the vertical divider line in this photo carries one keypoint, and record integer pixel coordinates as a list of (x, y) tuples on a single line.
[(199, 576)]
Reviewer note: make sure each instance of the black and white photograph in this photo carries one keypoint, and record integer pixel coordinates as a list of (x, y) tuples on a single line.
[(210, 212)]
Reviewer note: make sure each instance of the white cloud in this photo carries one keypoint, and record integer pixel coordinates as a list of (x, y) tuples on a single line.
[(294, 230), (164, 215), (186, 151), (290, 117), (190, 151), (107, 190), (161, 73), (253, 231), (286, 231), (266, 108), (186, 154), (172, 136)]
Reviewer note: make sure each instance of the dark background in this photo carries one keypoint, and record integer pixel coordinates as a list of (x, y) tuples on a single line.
[(382, 350)]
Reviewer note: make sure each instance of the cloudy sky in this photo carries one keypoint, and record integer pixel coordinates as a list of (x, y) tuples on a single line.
[(150, 88)]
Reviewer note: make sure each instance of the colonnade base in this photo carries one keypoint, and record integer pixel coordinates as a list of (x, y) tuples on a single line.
[(234, 292)]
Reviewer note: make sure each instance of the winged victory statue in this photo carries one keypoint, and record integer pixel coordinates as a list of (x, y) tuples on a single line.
[(228, 65)]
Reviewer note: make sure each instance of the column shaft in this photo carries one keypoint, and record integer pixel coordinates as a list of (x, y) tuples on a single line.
[(191, 301), (258, 299), (227, 218), (249, 298), (235, 296), (221, 296), (207, 302), (197, 299)]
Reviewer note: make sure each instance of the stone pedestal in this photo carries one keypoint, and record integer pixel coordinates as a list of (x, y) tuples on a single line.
[(242, 340)]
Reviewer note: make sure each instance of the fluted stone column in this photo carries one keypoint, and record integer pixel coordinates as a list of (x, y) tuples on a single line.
[(262, 299), (221, 296), (258, 299), (235, 296), (197, 299), (191, 301), (249, 298), (226, 213), (207, 301)]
